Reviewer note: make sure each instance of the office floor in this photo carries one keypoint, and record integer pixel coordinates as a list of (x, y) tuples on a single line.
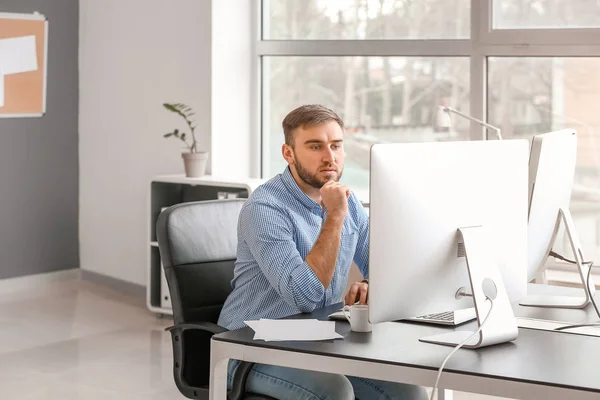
[(77, 340)]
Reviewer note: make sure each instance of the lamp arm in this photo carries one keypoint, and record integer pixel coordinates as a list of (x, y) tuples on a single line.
[(492, 127)]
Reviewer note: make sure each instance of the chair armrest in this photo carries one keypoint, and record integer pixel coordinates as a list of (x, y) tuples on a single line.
[(238, 386), (203, 326)]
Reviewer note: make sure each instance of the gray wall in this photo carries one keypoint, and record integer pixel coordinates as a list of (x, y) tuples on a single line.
[(39, 158)]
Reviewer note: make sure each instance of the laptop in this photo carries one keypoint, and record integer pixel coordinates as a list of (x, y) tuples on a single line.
[(449, 318)]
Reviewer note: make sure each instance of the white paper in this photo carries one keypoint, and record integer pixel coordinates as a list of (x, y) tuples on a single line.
[(18, 55), (546, 325), (293, 329), (1, 88), (253, 324)]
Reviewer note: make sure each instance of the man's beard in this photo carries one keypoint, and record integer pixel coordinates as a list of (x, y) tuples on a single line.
[(310, 179)]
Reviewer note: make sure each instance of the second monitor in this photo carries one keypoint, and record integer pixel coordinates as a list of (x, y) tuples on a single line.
[(421, 194), (552, 166)]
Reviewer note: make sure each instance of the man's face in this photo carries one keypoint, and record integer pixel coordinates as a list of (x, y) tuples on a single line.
[(317, 154)]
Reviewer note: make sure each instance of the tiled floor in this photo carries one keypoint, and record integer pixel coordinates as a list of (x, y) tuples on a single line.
[(76, 340)]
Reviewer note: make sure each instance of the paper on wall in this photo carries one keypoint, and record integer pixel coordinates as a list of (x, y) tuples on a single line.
[(18, 55), (1, 88)]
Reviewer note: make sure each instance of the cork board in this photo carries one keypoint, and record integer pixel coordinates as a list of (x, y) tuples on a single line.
[(23, 56)]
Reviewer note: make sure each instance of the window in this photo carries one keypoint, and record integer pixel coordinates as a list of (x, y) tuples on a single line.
[(380, 99), (526, 66), (539, 14), (557, 93), (366, 19)]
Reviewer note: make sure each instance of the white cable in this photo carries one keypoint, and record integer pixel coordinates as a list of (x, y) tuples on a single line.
[(437, 381), (587, 285)]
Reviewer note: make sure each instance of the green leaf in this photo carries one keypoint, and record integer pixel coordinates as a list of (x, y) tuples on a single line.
[(185, 112), (183, 137), (179, 108), (168, 135)]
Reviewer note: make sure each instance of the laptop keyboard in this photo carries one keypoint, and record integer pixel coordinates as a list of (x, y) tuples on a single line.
[(447, 316)]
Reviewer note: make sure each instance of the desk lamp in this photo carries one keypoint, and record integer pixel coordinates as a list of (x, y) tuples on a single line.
[(444, 121)]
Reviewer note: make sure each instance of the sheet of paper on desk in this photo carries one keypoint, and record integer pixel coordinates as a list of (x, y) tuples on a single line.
[(545, 325), (293, 329)]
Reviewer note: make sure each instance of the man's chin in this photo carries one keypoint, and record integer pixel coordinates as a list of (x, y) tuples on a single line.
[(330, 178)]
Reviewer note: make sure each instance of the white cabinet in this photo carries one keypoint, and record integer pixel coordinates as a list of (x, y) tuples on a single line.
[(168, 190)]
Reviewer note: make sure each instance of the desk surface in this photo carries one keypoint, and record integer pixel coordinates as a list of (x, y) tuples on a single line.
[(541, 357)]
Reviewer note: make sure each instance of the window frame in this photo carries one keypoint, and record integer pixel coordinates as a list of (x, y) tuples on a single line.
[(484, 41)]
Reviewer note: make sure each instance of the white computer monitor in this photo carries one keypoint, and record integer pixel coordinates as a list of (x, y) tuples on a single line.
[(552, 163), (420, 194)]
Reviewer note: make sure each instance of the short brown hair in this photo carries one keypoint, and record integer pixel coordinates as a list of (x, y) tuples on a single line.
[(307, 115)]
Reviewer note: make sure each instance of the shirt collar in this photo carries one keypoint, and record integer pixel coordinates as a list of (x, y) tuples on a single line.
[(294, 189)]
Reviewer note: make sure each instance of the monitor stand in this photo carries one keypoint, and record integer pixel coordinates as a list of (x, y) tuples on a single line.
[(486, 281), (588, 290)]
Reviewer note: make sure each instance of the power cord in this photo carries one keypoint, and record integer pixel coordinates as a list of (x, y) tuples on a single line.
[(561, 257), (587, 280), (587, 285), (439, 375)]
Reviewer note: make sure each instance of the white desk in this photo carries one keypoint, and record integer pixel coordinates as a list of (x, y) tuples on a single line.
[(538, 365)]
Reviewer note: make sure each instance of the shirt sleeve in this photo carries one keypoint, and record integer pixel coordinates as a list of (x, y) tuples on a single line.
[(268, 232), (361, 255)]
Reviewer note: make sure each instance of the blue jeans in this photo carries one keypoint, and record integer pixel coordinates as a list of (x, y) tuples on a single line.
[(289, 383)]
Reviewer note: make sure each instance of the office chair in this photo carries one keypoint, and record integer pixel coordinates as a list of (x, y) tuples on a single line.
[(197, 243)]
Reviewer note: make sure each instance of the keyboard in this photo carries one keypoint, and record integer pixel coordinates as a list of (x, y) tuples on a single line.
[(451, 318)]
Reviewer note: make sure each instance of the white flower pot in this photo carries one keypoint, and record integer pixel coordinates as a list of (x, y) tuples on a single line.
[(195, 164)]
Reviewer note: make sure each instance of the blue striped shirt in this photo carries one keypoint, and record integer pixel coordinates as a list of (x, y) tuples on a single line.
[(277, 228)]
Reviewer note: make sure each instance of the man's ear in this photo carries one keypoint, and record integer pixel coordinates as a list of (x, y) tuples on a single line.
[(288, 154)]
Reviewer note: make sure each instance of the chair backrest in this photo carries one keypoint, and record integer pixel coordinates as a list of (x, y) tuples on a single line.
[(198, 243)]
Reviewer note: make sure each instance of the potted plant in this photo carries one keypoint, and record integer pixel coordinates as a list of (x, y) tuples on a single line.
[(194, 161)]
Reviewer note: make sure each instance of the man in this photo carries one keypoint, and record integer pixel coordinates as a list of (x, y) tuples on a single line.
[(297, 237)]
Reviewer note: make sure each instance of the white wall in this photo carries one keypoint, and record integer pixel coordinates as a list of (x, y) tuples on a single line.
[(135, 55), (235, 111)]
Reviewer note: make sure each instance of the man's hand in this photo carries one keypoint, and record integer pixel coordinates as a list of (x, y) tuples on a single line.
[(335, 197), (359, 291)]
